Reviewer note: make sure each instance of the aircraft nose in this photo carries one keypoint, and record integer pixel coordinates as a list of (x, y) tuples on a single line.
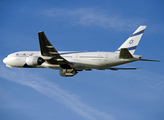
[(5, 60)]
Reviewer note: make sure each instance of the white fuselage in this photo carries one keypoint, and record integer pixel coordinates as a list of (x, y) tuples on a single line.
[(79, 60), (70, 62)]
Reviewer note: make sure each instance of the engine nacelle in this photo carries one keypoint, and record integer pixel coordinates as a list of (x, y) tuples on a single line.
[(67, 72), (34, 60)]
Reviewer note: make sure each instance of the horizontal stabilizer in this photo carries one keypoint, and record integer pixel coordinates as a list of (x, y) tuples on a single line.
[(122, 68), (149, 60), (124, 53)]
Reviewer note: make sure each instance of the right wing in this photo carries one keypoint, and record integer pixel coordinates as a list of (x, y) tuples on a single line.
[(47, 49)]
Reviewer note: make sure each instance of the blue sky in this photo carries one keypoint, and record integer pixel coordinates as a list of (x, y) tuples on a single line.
[(82, 26)]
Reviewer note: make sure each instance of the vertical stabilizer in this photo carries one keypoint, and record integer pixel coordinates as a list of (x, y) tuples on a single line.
[(132, 42)]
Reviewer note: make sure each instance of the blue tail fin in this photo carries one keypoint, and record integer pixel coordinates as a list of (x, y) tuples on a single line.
[(132, 42)]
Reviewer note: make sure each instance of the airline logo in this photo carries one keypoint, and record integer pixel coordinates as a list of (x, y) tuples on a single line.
[(131, 41)]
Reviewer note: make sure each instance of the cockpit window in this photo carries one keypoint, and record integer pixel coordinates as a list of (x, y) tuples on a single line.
[(11, 55)]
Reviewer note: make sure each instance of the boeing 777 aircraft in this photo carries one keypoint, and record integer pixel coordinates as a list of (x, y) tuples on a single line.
[(70, 62)]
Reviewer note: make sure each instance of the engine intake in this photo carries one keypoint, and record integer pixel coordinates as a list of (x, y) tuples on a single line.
[(67, 72), (34, 60)]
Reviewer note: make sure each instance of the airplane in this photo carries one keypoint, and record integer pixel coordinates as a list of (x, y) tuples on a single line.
[(69, 63)]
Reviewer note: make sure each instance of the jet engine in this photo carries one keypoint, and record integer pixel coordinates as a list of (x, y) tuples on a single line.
[(34, 60), (67, 72)]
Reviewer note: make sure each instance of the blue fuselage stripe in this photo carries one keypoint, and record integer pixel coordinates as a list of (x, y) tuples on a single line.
[(27, 66)]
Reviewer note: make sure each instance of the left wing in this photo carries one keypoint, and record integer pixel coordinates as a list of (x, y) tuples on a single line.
[(47, 49)]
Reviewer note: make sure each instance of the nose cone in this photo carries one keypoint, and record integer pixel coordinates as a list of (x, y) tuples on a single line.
[(5, 60)]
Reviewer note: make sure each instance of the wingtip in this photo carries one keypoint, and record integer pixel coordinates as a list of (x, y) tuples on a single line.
[(41, 32), (143, 26)]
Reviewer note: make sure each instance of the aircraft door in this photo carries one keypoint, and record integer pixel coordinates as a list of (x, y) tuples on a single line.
[(106, 56), (76, 56)]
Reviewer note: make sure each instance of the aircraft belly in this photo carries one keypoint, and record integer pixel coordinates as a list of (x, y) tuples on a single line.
[(116, 62), (90, 63)]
